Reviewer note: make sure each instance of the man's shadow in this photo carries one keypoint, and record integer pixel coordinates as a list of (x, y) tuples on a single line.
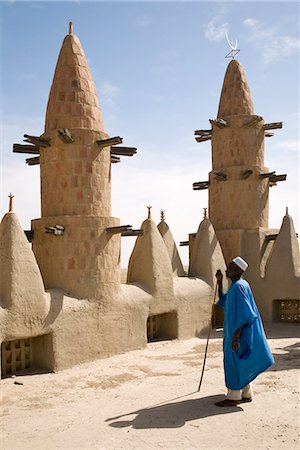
[(173, 415)]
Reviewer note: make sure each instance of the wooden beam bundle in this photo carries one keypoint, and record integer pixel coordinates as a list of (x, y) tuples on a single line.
[(272, 126), (273, 178), (33, 161), (271, 237), (120, 229), (267, 175), (66, 136), (184, 243), (114, 159), (108, 142), (246, 174), (37, 140), (202, 132), (29, 149), (123, 151), (203, 138), (220, 176), (221, 123), (200, 185), (132, 233)]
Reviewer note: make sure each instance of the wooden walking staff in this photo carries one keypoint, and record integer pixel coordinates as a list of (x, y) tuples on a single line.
[(208, 335)]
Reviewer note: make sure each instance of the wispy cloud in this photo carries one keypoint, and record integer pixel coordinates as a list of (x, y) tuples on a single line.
[(216, 28), (108, 96), (273, 46), (290, 144), (109, 91), (215, 31)]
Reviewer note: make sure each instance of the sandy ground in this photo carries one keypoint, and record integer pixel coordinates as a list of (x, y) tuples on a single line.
[(148, 399)]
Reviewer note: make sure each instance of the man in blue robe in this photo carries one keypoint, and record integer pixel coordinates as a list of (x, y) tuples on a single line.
[(245, 347)]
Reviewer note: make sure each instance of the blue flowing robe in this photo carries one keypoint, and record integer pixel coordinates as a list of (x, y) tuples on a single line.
[(253, 356)]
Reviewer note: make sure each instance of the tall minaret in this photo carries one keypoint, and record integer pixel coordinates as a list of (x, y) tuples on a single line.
[(71, 243), (238, 194)]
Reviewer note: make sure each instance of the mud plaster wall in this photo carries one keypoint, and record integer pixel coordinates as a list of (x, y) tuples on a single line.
[(84, 261), (276, 284), (76, 177)]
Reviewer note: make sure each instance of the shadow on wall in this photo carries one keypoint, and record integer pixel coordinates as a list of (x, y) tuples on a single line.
[(56, 305)]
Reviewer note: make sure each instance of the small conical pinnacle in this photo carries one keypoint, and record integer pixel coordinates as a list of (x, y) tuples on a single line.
[(70, 27), (162, 215), (286, 210), (149, 211), (204, 213), (10, 208)]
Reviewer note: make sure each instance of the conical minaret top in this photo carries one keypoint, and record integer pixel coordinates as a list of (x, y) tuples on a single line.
[(73, 101), (235, 96)]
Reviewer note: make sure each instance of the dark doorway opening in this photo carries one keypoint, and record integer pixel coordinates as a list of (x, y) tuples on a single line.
[(162, 327), (26, 356)]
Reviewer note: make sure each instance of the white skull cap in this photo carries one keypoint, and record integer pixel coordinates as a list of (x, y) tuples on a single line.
[(240, 262)]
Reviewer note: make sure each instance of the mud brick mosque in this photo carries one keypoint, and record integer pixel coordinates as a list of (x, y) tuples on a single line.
[(62, 302)]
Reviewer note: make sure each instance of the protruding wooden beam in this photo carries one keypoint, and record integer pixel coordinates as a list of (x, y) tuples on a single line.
[(200, 185), (184, 243), (66, 136), (29, 149), (221, 123), (29, 234), (253, 121), (114, 159), (220, 176), (123, 151), (246, 174), (132, 233), (274, 178), (57, 230), (268, 134), (33, 161), (202, 132), (37, 140), (267, 175), (271, 237), (203, 138), (108, 142), (120, 229), (272, 126)]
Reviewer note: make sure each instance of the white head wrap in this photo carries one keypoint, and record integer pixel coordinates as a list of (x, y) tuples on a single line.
[(241, 263)]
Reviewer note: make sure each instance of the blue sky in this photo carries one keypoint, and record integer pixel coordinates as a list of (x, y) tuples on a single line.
[(158, 68)]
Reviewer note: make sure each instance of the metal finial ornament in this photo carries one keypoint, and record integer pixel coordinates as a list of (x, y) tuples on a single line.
[(149, 211), (70, 27), (286, 210), (162, 215), (204, 213), (10, 208), (233, 45)]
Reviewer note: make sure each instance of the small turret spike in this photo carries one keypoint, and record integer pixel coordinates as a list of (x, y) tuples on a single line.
[(204, 213), (70, 27), (10, 208), (162, 215), (149, 211), (286, 210)]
